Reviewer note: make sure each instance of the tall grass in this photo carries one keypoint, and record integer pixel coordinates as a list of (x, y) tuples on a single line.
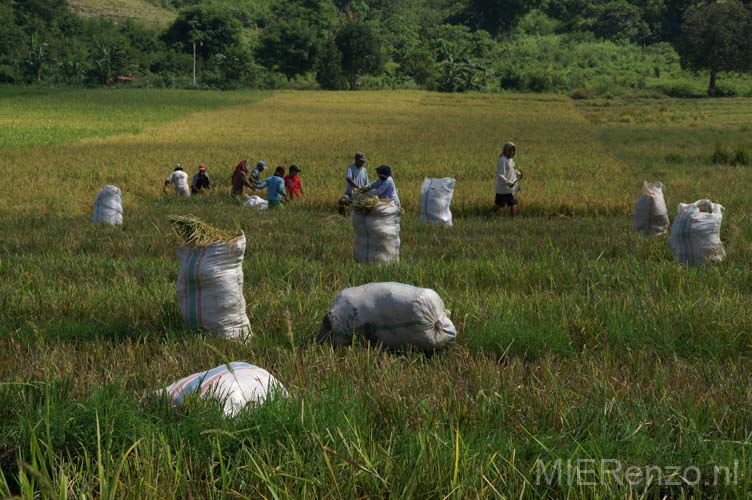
[(578, 339)]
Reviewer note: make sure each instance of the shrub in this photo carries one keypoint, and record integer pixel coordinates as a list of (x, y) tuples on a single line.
[(721, 155), (742, 156)]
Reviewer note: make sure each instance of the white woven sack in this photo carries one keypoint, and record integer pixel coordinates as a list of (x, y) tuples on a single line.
[(236, 385), (651, 214), (377, 234), (435, 199), (696, 233), (210, 287), (256, 201), (108, 207), (393, 314)]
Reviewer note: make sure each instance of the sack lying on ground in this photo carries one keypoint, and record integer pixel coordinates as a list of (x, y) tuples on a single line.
[(236, 385), (108, 207), (435, 199), (376, 224), (696, 233), (392, 314), (651, 214), (210, 279), (256, 201)]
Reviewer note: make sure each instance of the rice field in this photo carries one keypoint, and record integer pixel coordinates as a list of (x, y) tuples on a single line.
[(580, 343)]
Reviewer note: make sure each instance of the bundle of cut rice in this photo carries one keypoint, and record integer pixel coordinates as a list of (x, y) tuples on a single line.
[(364, 204), (210, 280), (192, 231)]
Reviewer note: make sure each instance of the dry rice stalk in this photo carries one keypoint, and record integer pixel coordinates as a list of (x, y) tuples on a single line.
[(192, 231), (363, 204)]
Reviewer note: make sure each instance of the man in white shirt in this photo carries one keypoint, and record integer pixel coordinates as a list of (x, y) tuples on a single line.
[(507, 181), (179, 178), (356, 178)]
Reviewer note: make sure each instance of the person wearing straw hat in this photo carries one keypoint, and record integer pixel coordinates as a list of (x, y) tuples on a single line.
[(179, 178), (200, 180), (383, 187), (507, 181), (293, 183), (356, 177)]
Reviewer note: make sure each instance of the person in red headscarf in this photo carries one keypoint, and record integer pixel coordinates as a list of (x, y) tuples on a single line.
[(240, 178)]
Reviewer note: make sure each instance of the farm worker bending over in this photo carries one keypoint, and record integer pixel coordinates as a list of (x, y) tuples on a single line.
[(240, 178), (293, 183), (356, 177), (256, 172), (179, 178), (383, 187), (507, 181), (200, 180), (276, 185)]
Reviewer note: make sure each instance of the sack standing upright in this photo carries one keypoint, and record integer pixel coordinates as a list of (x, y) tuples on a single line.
[(651, 214), (108, 207), (210, 284), (435, 199), (377, 230), (696, 233)]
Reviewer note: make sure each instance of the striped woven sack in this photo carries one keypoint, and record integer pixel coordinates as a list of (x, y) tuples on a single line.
[(377, 234), (696, 233), (210, 288), (235, 385)]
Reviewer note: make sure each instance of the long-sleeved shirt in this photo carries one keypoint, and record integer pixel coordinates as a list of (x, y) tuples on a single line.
[(200, 182), (358, 175), (276, 187), (505, 175), (384, 188), (180, 180), (240, 181)]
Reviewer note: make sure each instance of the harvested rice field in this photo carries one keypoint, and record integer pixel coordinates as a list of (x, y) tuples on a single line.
[(588, 363)]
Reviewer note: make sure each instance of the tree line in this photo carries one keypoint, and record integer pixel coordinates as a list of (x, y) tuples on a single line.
[(445, 45)]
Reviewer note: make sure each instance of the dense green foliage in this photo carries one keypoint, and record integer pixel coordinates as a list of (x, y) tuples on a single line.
[(718, 37), (448, 45)]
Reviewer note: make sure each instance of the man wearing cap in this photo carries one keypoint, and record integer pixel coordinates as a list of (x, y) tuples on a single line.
[(200, 180), (256, 172), (293, 183), (356, 178)]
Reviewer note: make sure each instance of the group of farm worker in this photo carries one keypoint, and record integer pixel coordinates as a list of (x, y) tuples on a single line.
[(281, 187)]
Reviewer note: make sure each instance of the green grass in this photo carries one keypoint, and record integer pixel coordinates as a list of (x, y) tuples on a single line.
[(118, 10), (577, 338), (32, 116)]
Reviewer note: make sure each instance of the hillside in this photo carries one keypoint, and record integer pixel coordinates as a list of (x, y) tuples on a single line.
[(118, 10)]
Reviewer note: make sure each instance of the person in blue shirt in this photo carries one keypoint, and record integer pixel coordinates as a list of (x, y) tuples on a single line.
[(356, 177), (256, 172), (383, 187), (276, 188)]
